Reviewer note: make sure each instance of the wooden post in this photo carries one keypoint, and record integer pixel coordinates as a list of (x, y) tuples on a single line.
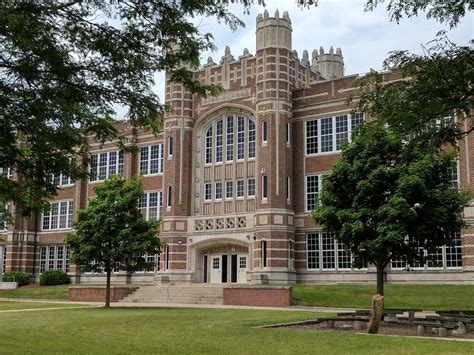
[(376, 314)]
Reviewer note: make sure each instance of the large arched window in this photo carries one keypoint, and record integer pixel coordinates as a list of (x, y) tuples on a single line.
[(230, 138)]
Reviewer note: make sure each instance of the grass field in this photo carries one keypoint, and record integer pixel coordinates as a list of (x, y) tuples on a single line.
[(427, 297), (60, 292), (185, 331), (9, 305)]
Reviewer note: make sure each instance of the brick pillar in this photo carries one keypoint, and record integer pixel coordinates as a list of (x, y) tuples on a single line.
[(274, 215)]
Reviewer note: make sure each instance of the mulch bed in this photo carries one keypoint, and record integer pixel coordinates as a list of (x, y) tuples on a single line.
[(385, 328)]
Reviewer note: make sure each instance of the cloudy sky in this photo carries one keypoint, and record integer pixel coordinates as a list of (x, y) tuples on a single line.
[(364, 37)]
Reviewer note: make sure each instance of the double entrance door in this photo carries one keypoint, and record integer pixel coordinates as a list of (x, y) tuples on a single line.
[(225, 268)]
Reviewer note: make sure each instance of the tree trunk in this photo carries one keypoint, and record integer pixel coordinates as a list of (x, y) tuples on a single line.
[(380, 278), (107, 289), (376, 314)]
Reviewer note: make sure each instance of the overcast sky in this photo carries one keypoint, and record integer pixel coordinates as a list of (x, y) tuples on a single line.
[(364, 37)]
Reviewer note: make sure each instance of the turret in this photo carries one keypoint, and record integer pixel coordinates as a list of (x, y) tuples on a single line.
[(330, 65)]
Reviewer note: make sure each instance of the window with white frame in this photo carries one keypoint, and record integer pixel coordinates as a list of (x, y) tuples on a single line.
[(219, 140), (4, 217), (230, 138), (453, 173), (4, 257), (168, 196), (251, 187), (103, 165), (54, 257), (444, 257), (6, 172), (288, 132), (252, 136), (237, 129), (59, 180), (151, 159), (208, 191), (325, 135), (324, 252), (264, 253), (209, 146), (240, 190), (58, 215), (170, 147), (218, 192), (153, 259), (229, 189), (150, 205), (313, 186), (288, 188)]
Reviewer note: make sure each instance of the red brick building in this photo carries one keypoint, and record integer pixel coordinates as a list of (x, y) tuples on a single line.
[(234, 176)]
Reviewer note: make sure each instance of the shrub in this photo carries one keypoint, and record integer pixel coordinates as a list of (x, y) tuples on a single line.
[(54, 277), (16, 276)]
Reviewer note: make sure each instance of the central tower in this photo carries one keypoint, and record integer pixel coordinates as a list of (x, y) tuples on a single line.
[(274, 231)]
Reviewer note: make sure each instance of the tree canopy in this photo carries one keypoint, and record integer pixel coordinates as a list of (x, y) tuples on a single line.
[(63, 67), (112, 233), (385, 198)]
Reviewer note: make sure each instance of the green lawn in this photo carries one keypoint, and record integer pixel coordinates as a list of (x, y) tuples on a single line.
[(427, 297), (9, 305), (60, 292), (184, 331)]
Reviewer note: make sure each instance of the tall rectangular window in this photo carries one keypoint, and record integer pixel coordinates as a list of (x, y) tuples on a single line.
[(151, 159), (230, 139), (454, 253), (219, 140), (251, 187), (342, 130), (6, 172), (453, 173), (209, 146), (240, 188), (344, 260), (312, 250), (240, 138), (326, 135), (229, 189), (150, 205), (58, 215), (218, 193), (312, 190), (208, 191), (288, 188), (288, 132), (103, 165), (264, 132), (328, 250), (312, 137), (251, 153), (168, 196), (170, 146), (264, 186), (264, 253)]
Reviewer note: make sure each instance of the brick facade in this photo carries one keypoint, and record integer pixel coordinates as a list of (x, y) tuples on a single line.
[(260, 237), (263, 297), (97, 294)]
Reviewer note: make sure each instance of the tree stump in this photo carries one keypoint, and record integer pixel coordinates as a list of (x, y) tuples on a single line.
[(376, 314)]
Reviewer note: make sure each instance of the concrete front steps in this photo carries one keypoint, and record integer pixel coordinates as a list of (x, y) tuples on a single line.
[(186, 294)]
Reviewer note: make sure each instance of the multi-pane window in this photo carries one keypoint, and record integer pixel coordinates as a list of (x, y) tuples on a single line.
[(54, 257), (252, 136), (150, 205), (59, 180), (230, 138), (6, 172), (219, 140), (207, 191), (325, 135), (58, 215), (313, 186), (151, 159), (4, 217), (218, 193), (209, 146), (446, 256), (216, 263), (240, 188), (4, 257), (240, 138), (168, 196), (229, 189), (324, 252), (264, 186), (237, 129), (242, 262), (151, 258), (264, 132), (453, 173), (103, 165), (251, 187)]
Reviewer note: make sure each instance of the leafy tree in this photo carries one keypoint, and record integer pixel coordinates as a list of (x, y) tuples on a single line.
[(449, 12), (385, 198), (64, 65), (112, 233)]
